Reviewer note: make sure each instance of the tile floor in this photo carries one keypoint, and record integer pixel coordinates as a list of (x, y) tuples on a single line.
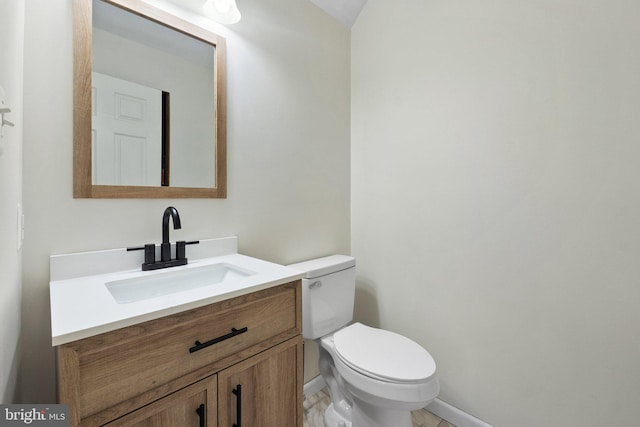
[(315, 405)]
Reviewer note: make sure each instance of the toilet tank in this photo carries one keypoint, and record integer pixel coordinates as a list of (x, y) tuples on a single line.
[(328, 289)]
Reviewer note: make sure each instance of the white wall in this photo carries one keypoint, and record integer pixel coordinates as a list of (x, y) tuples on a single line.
[(496, 200), (288, 157), (11, 67)]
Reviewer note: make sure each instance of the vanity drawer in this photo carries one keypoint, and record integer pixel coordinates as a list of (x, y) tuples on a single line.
[(113, 373)]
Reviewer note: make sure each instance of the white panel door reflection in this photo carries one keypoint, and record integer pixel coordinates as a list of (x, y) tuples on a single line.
[(126, 132)]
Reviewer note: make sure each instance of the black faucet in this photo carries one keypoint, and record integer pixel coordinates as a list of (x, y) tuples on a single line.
[(150, 262), (165, 248)]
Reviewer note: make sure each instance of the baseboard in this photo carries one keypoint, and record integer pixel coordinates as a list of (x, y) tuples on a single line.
[(449, 413), (313, 386), (455, 416)]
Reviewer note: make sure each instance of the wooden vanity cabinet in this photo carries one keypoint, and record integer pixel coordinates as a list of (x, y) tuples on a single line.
[(195, 406), (259, 390), (168, 371)]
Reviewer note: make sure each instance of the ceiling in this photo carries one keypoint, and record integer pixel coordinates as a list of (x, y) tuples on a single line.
[(345, 11)]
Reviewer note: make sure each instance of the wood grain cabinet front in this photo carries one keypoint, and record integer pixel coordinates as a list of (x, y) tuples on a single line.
[(259, 391), (193, 406), (107, 379)]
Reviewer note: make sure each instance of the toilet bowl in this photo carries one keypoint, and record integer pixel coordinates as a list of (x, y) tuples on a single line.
[(375, 377), (385, 374)]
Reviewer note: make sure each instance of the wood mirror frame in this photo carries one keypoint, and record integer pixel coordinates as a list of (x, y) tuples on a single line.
[(82, 160)]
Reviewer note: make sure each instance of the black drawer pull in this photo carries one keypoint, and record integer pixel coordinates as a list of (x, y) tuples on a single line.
[(238, 392), (201, 414), (200, 345)]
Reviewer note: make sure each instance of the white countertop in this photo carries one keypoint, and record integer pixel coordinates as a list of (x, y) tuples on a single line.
[(82, 306)]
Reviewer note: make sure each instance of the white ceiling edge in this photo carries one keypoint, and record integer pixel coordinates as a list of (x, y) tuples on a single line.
[(345, 11)]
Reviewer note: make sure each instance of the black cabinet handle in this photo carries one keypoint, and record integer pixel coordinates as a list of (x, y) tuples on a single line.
[(201, 412), (200, 345), (238, 392)]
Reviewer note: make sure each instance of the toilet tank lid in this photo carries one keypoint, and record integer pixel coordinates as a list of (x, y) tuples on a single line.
[(325, 265)]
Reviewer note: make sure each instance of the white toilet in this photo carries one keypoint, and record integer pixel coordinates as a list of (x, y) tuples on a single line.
[(375, 377)]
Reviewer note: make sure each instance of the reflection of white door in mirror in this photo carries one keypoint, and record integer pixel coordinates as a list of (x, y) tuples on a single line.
[(126, 132), (135, 49), (193, 159)]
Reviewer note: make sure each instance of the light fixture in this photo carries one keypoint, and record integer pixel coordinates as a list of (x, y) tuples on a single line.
[(222, 11)]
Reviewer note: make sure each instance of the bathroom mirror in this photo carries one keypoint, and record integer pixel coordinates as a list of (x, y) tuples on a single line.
[(149, 104)]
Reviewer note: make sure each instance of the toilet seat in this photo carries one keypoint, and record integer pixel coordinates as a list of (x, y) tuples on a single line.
[(383, 355)]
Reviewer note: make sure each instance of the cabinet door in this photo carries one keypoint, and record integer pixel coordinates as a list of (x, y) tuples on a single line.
[(193, 406), (265, 390)]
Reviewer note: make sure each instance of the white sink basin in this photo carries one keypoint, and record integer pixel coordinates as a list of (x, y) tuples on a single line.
[(96, 292), (169, 282)]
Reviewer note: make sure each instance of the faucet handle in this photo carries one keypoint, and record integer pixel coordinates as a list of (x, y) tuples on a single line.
[(180, 252), (149, 252), (180, 248)]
